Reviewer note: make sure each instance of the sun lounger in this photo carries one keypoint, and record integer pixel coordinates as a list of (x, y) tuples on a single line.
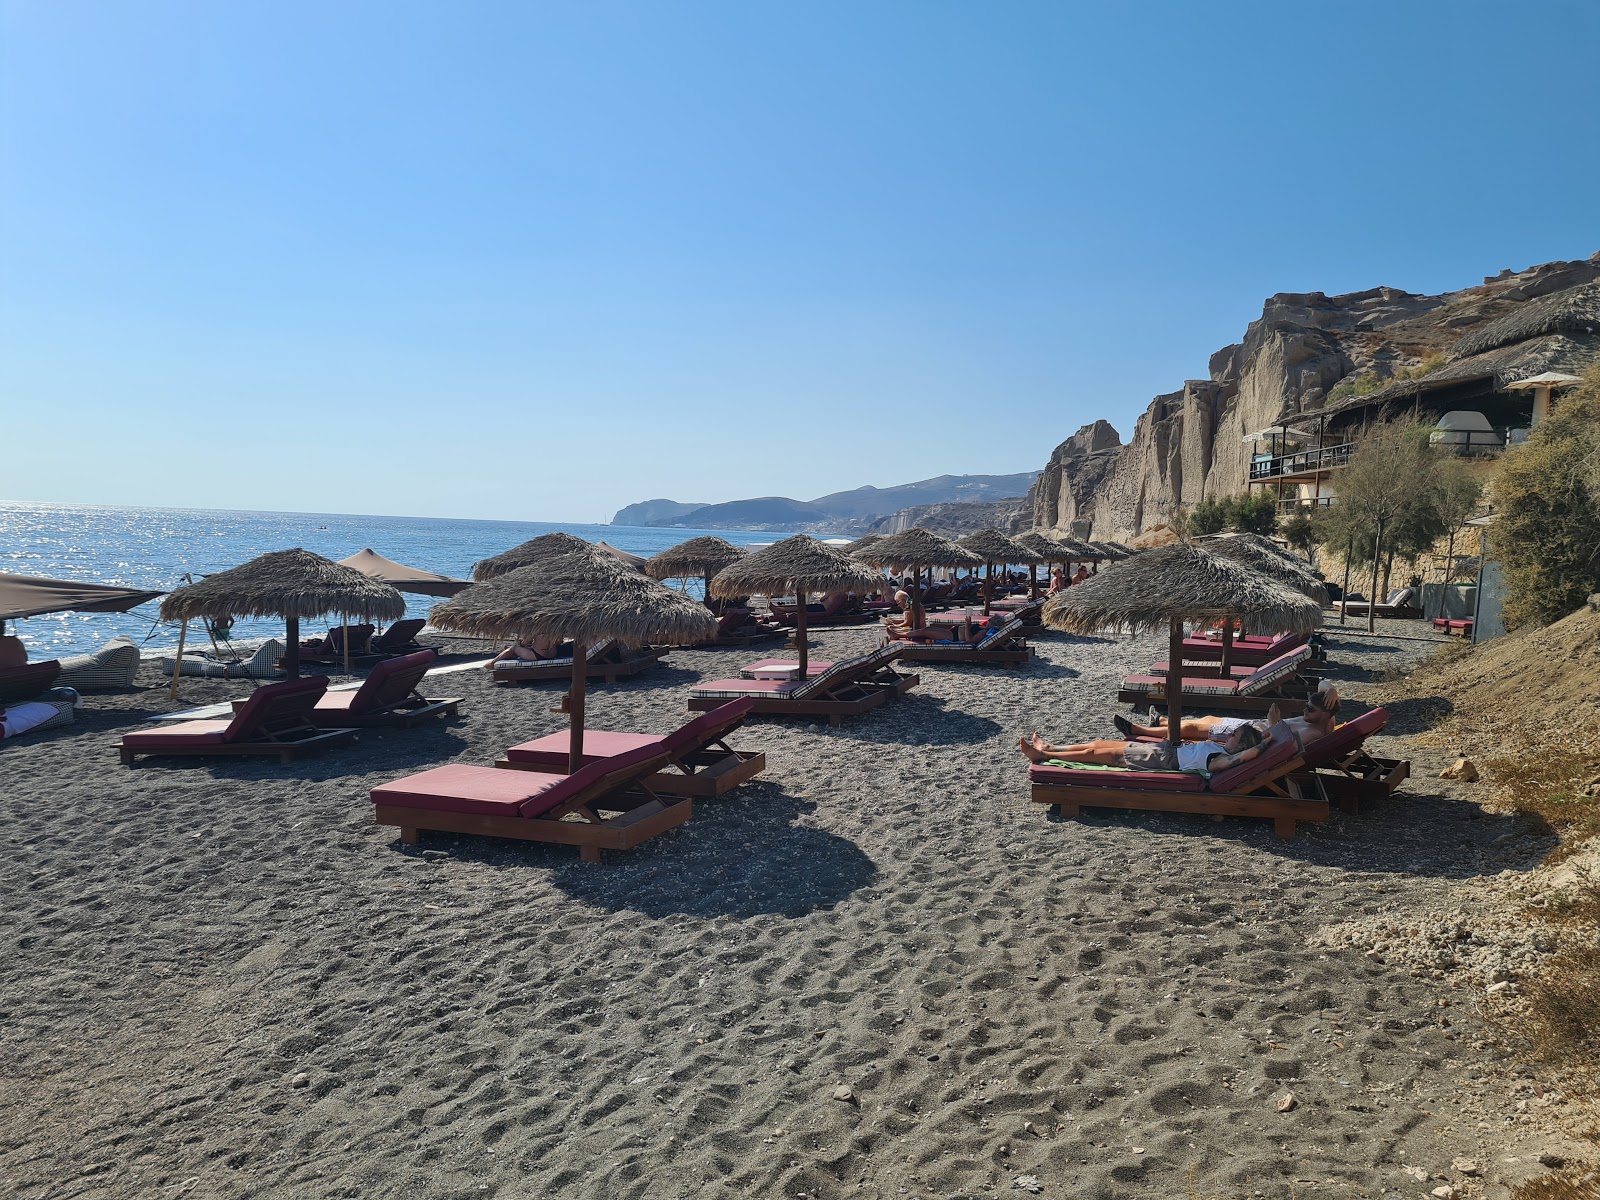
[(1249, 650), (604, 660), (699, 761), (330, 649), (28, 680), (784, 668), (387, 698), (1001, 646), (1401, 602), (1277, 683), (846, 689), (1348, 773), (1264, 787), (607, 805), (1454, 626), (276, 719), (399, 638), (740, 628)]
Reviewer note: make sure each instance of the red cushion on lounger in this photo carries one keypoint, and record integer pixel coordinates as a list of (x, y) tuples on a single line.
[(278, 703), (1191, 685), (391, 682), (1346, 737), (1236, 778), (1273, 672), (735, 688), (179, 733), (462, 788), (552, 749), (585, 777), (1154, 781)]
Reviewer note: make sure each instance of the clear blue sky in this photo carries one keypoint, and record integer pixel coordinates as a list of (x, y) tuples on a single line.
[(537, 261)]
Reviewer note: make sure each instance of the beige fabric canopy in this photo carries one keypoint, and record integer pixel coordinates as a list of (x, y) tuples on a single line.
[(401, 577), (32, 596)]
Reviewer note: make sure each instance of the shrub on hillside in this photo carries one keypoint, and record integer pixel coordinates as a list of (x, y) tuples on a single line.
[(1547, 533)]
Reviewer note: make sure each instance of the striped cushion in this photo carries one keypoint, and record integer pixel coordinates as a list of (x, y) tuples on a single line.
[(519, 664), (1279, 668), (112, 666), (736, 689), (999, 631)]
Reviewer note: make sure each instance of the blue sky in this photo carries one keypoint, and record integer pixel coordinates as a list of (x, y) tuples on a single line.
[(535, 261)]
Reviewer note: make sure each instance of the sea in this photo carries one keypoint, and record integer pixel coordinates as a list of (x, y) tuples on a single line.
[(160, 547)]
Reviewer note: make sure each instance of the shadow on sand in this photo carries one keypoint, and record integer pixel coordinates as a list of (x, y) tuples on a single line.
[(742, 855)]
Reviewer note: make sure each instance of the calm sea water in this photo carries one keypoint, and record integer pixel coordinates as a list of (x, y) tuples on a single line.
[(155, 547)]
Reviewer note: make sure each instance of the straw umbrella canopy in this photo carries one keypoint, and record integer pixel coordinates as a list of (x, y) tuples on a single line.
[(1260, 554), (401, 577), (285, 583), (697, 558), (798, 562), (861, 543), (915, 549), (584, 595), (995, 547), (537, 550), (1173, 584)]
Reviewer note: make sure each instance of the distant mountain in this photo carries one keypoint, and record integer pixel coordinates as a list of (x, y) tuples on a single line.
[(653, 512), (837, 512), (865, 503), (761, 513)]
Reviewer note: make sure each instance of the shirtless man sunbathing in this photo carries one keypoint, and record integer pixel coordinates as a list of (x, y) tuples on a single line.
[(1320, 716), (1242, 745)]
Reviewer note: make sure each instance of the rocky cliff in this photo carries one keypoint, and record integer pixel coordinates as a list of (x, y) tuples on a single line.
[(1189, 443)]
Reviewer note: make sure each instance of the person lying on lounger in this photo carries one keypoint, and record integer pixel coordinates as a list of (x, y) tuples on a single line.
[(524, 650), (1320, 716), (967, 633), (1243, 744)]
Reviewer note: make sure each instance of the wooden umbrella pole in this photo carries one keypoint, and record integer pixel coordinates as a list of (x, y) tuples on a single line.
[(1175, 682), (988, 587), (800, 633), (345, 617), (177, 663), (575, 699), (291, 652), (1227, 646), (1033, 581)]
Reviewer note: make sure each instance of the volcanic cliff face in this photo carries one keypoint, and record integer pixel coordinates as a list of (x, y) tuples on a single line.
[(1189, 444)]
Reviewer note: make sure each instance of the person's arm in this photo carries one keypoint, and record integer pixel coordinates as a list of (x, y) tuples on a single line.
[(1233, 760)]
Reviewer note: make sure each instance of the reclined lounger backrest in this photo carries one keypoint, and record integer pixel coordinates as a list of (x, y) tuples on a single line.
[(603, 775), (276, 707), (391, 682), (1347, 737), (999, 631), (1278, 669), (1243, 776), (28, 680), (401, 633), (708, 727)]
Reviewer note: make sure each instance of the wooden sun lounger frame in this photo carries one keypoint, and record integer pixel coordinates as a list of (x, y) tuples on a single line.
[(642, 815), (610, 672), (286, 744), (1278, 796), (1357, 777), (705, 772)]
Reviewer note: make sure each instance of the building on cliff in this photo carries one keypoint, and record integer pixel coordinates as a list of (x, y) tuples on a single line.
[(1309, 374), (1477, 400)]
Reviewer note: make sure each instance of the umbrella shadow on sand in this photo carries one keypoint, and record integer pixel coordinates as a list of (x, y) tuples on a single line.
[(916, 719), (742, 855)]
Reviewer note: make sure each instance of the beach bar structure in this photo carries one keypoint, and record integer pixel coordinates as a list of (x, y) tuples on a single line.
[(1497, 383)]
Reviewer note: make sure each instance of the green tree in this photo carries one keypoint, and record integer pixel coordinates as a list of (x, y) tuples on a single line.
[(1209, 516), (1300, 532), (1255, 512), (1547, 529)]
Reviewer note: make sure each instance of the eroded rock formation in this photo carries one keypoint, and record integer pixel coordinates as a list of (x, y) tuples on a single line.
[(1190, 444)]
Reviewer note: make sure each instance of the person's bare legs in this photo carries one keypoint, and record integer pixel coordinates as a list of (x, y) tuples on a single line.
[(1192, 729), (1103, 752)]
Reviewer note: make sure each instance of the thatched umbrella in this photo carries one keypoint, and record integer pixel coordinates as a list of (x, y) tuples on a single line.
[(995, 547), (861, 543), (285, 583), (1261, 554), (401, 577), (584, 595), (537, 550), (697, 558), (798, 562), (1171, 585), (915, 549)]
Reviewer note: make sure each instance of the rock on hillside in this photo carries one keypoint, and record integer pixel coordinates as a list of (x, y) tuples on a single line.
[(958, 519), (652, 512), (1189, 443)]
